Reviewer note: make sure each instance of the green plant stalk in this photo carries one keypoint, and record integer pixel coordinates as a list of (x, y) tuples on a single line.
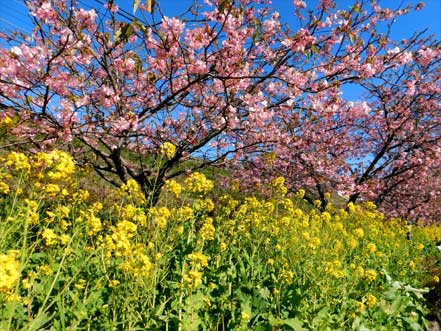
[(23, 250), (181, 297)]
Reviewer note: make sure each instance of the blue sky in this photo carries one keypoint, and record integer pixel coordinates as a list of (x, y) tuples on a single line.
[(429, 17)]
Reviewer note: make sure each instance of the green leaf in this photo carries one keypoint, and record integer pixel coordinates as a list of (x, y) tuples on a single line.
[(413, 324), (122, 34), (357, 8), (295, 324), (39, 322), (139, 25), (62, 316), (150, 4), (223, 5), (258, 32), (265, 293), (136, 4), (320, 317), (418, 292), (38, 256)]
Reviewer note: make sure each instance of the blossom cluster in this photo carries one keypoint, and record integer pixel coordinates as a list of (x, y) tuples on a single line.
[(9, 271)]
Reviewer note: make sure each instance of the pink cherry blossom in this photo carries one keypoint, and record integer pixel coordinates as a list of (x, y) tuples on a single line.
[(230, 85)]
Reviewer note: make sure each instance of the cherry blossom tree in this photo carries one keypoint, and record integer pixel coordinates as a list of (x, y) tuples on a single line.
[(384, 147), (227, 82), (121, 91)]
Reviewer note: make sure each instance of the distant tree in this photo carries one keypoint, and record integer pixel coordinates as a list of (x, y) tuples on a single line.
[(224, 83)]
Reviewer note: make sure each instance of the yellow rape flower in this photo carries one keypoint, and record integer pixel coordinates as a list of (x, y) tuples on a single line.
[(306, 235), (198, 183), (114, 283), (287, 203), (49, 236), (160, 216), (168, 150), (25, 283), (360, 306), (369, 205), (64, 239), (18, 161), (184, 214), (81, 284), (4, 188), (207, 230), (317, 203), (93, 222), (63, 165), (192, 279), (52, 190), (371, 248), (359, 271), (32, 214), (206, 205), (45, 270), (42, 159), (352, 243), (131, 186), (314, 243), (371, 300), (81, 196), (287, 276), (325, 216), (14, 297), (338, 274), (174, 187), (279, 185), (135, 214), (62, 211), (300, 193), (283, 221), (359, 232), (198, 259), (338, 247), (140, 264), (351, 207), (126, 227), (370, 275), (9, 271)]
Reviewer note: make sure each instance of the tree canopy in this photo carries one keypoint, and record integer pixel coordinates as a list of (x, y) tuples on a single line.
[(230, 84)]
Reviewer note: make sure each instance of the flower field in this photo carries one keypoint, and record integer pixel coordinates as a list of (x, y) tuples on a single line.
[(200, 260)]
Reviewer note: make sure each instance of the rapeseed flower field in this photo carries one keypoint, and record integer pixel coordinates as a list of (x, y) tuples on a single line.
[(199, 260)]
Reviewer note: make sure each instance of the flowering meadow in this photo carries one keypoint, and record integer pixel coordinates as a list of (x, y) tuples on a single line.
[(199, 260)]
